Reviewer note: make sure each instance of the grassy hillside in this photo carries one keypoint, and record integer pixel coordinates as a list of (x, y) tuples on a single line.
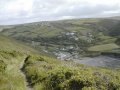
[(8, 44), (12, 54), (47, 73), (75, 35)]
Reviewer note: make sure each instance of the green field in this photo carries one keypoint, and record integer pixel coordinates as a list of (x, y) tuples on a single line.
[(88, 33), (105, 47)]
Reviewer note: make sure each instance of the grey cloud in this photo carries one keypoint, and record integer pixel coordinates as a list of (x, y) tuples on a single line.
[(55, 9), (86, 10)]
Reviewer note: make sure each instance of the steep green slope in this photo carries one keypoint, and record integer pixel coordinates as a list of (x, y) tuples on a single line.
[(12, 54), (8, 44), (47, 73)]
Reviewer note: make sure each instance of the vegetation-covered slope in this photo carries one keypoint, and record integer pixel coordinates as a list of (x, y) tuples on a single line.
[(11, 56), (74, 37), (47, 73), (8, 44)]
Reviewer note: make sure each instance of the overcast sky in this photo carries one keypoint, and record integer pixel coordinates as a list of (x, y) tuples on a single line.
[(23, 11)]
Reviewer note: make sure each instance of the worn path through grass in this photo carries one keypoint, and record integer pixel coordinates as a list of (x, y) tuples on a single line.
[(26, 83)]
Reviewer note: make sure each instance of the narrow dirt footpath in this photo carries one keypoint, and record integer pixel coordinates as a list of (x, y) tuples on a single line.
[(28, 87)]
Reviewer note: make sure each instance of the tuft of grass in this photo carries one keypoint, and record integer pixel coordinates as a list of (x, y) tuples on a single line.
[(10, 76)]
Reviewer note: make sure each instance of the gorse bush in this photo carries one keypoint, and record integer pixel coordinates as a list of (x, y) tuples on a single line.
[(56, 77), (2, 66)]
